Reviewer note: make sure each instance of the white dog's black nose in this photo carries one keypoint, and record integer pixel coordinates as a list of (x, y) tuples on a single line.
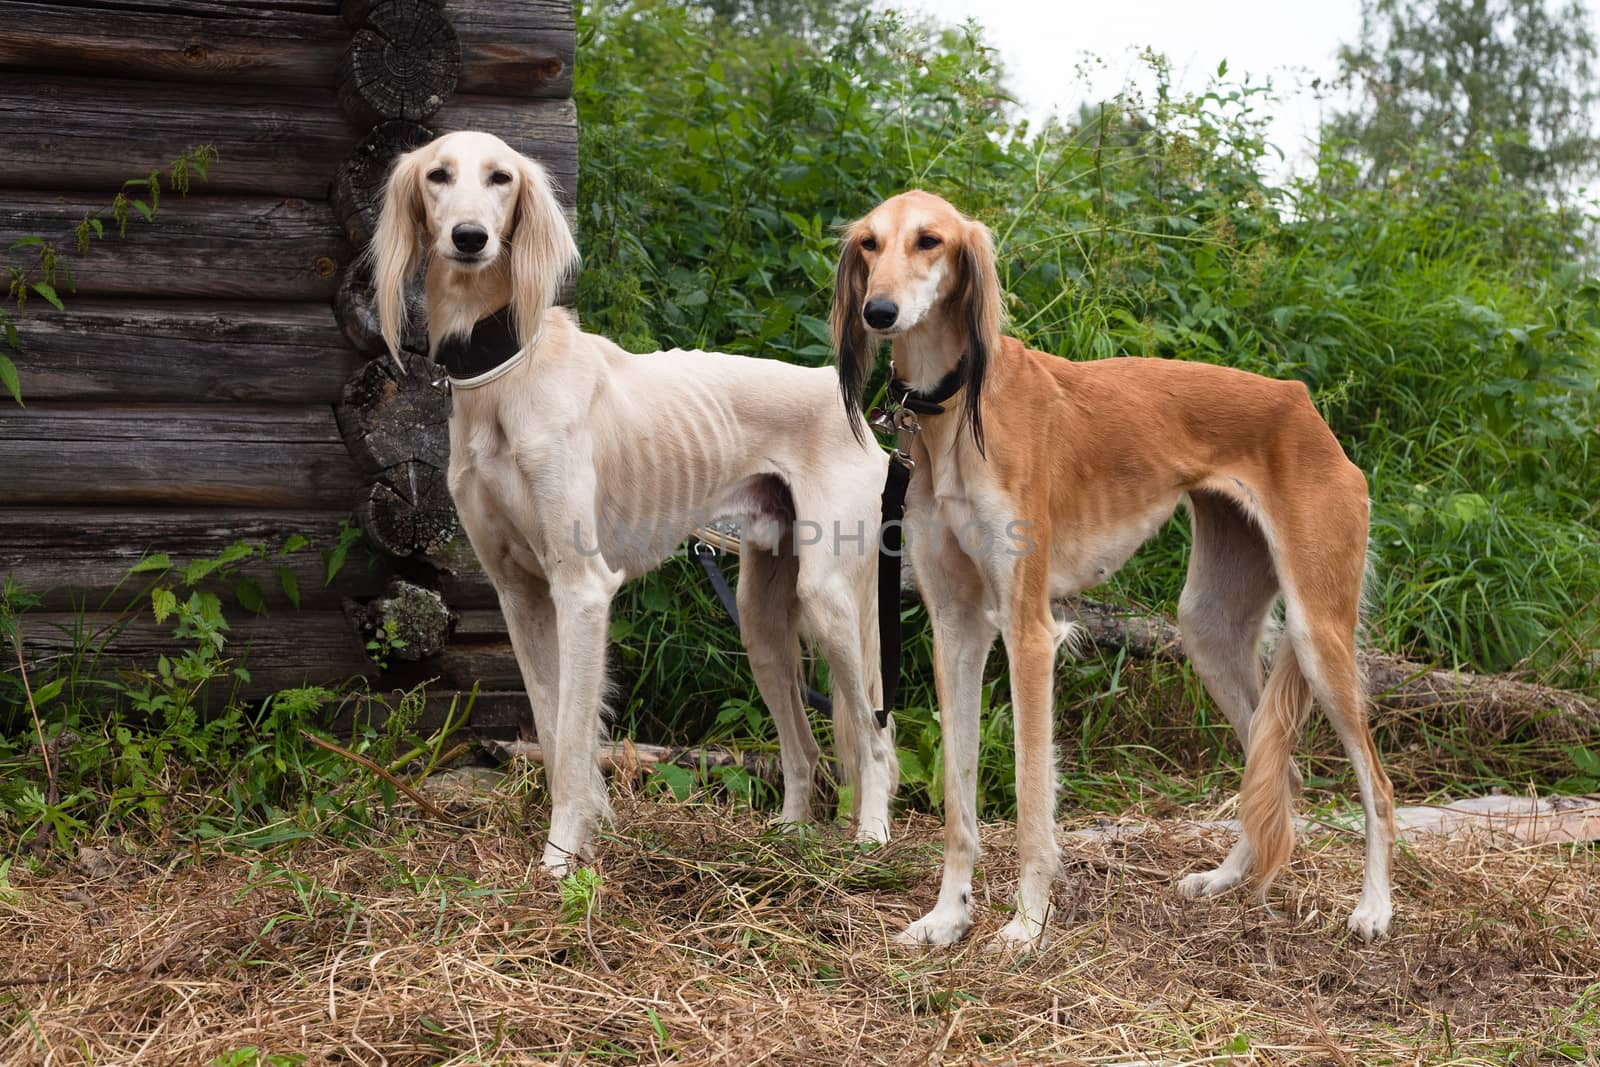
[(880, 313), (469, 237)]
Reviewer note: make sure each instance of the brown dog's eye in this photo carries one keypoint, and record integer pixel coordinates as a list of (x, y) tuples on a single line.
[(500, 177), (869, 244), (438, 174), (927, 241)]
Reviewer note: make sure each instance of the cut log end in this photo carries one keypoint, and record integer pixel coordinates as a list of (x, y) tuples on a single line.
[(357, 313), (358, 188), (408, 512), (408, 622), (355, 12), (402, 64), (388, 417)]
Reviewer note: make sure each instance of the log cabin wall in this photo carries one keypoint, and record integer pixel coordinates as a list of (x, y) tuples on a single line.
[(213, 378)]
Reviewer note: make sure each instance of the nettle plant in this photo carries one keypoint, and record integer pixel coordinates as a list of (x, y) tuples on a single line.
[(88, 748), (50, 272)]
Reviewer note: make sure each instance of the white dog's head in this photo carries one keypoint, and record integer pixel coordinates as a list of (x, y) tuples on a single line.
[(467, 202)]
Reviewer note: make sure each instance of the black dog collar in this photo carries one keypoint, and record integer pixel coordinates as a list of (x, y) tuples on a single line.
[(492, 344), (932, 401)]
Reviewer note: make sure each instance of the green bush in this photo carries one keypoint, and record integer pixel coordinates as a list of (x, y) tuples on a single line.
[(1447, 324)]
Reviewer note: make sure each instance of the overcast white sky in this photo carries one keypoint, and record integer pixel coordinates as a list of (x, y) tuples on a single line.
[(1289, 41)]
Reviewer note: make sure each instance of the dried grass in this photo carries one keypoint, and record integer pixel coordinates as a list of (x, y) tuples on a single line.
[(713, 940)]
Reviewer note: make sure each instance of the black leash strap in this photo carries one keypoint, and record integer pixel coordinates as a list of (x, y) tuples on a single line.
[(707, 557), (889, 544), (905, 403)]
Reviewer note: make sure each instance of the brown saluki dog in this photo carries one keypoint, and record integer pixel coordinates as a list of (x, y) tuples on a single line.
[(1040, 477)]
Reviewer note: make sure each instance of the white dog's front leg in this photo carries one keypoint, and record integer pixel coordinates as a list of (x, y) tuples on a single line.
[(583, 610)]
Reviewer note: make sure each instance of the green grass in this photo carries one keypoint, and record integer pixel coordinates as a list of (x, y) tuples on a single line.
[(1448, 325)]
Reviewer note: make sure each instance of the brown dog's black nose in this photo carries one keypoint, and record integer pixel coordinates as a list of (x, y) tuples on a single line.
[(469, 237), (880, 313)]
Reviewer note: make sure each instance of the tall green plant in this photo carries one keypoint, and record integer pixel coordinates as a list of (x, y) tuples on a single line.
[(1446, 323), (50, 271)]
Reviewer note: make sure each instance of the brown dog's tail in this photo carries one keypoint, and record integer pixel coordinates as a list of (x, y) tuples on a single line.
[(1266, 797)]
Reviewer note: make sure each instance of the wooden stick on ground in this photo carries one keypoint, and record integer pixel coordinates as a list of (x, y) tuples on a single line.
[(1395, 684), (355, 757)]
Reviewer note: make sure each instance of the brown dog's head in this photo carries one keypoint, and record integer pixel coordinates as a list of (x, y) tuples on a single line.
[(915, 264), (469, 201)]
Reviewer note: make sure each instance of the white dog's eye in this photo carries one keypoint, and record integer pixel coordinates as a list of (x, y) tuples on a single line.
[(927, 241), (870, 244), (500, 177), (438, 174)]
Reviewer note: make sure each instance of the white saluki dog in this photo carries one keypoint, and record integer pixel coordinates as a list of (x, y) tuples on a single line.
[(575, 466), (1042, 479)]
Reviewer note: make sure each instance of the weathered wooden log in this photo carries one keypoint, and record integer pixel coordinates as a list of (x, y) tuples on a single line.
[(356, 12), (94, 133), (247, 248), (80, 556), (90, 134), (1395, 684), (176, 40), (280, 650), (490, 664), (388, 417), (358, 188), (508, 49), (521, 49), (213, 455), (402, 63), (142, 350), (410, 622), (408, 511), (495, 713)]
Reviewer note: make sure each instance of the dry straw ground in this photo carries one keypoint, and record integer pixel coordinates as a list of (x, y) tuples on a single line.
[(710, 939)]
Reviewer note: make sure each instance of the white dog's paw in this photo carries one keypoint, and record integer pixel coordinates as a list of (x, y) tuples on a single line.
[(558, 862), (873, 832), (1370, 920), (1017, 936), (1209, 883), (938, 927)]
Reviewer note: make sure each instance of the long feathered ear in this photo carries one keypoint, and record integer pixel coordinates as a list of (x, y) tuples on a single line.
[(980, 298), (543, 252), (848, 329), (395, 250)]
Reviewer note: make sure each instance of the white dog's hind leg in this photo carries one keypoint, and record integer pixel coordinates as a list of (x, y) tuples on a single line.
[(834, 623), (769, 627)]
